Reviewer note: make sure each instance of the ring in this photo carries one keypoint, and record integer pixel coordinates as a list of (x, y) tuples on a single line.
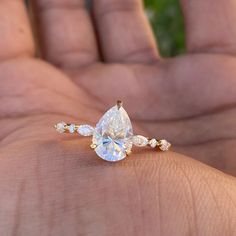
[(113, 138)]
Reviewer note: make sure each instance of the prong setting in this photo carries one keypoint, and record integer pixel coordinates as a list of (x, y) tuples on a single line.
[(128, 152), (119, 104), (93, 146)]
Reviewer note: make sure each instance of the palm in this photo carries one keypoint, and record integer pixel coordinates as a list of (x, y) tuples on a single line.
[(192, 121), (186, 100)]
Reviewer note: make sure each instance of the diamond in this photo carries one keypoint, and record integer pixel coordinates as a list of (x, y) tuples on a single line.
[(112, 135), (85, 130), (164, 145), (60, 127), (139, 140), (71, 128), (153, 143)]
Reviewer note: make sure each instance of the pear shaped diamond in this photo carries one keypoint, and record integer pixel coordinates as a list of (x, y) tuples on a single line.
[(112, 135)]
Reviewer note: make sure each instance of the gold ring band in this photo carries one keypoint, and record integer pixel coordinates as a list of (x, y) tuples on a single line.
[(113, 136)]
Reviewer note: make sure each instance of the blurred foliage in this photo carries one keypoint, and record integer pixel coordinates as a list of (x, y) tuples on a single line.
[(167, 21)]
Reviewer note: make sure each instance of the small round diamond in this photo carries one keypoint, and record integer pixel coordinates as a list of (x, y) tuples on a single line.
[(164, 145), (153, 143), (71, 128), (60, 127)]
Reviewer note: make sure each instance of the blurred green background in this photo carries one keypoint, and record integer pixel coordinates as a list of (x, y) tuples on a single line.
[(167, 21)]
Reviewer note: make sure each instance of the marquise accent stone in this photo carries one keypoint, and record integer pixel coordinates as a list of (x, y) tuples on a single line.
[(85, 130), (139, 140), (112, 135)]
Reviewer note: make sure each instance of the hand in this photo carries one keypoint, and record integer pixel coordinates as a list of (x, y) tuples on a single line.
[(52, 184)]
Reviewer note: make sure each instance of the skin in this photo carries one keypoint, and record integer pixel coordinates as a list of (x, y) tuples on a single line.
[(52, 184)]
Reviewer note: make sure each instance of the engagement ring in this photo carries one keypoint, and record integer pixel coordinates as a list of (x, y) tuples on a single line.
[(113, 138)]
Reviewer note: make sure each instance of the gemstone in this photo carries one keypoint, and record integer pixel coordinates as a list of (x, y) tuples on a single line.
[(139, 140), (164, 145), (60, 127), (153, 143), (85, 130), (112, 135), (71, 128)]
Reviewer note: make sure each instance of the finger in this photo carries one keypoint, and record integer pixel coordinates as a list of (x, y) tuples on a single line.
[(16, 38), (210, 25), (66, 32), (124, 32)]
